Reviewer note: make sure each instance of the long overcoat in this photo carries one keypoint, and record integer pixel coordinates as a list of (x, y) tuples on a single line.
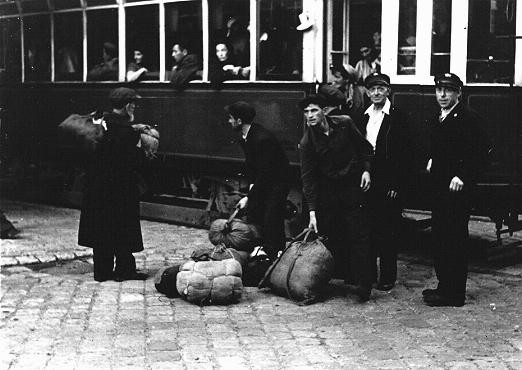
[(110, 207)]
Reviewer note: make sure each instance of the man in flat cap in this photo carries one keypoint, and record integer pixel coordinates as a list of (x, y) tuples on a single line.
[(385, 128), (335, 170), (109, 221), (459, 150)]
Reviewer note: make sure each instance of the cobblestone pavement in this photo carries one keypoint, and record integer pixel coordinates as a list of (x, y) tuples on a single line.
[(55, 316)]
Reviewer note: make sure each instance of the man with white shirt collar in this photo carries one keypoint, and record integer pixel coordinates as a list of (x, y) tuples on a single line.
[(385, 128), (267, 170), (459, 150)]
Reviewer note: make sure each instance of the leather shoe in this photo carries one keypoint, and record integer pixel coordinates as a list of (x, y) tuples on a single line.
[(132, 276), (437, 300), (385, 286), (102, 278), (363, 293), (428, 292)]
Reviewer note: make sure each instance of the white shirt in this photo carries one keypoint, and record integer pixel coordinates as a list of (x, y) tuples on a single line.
[(375, 121)]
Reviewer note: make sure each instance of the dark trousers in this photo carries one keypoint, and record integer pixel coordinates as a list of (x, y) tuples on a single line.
[(345, 223), (450, 217), (104, 262), (385, 217), (268, 213)]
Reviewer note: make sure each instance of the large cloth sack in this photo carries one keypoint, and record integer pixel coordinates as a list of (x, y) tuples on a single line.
[(234, 233), (302, 271), (165, 280), (210, 282), (81, 131), (149, 140)]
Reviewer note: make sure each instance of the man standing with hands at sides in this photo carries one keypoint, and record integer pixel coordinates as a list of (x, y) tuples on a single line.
[(335, 170), (110, 216), (384, 127), (459, 150), (267, 170)]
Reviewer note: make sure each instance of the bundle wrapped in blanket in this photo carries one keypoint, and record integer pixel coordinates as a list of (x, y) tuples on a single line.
[(82, 131), (149, 139), (210, 282), (234, 233)]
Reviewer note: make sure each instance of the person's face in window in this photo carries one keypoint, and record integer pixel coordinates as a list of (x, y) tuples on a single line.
[(221, 52), (177, 53), (314, 115), (378, 94), (138, 56), (338, 80), (447, 97)]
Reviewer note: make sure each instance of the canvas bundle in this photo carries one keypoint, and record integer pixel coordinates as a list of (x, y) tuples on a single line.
[(81, 131), (302, 271), (210, 282), (150, 142), (234, 233)]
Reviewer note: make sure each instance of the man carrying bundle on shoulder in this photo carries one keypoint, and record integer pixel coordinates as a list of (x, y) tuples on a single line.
[(267, 170)]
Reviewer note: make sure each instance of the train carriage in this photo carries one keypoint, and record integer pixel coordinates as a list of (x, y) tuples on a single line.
[(50, 51)]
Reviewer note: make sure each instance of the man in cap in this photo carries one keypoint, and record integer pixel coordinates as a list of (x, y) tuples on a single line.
[(384, 126), (335, 165), (109, 221), (267, 170), (459, 150)]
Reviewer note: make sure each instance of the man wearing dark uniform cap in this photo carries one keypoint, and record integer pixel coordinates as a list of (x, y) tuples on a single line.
[(458, 153), (385, 127), (109, 221)]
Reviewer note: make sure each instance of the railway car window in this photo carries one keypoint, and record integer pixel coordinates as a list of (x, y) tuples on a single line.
[(33, 6), (68, 51), (10, 63), (183, 24), (37, 48), (407, 42), (441, 37), (8, 8), (142, 43), (66, 4), (229, 23), (490, 44), (102, 45), (280, 47), (365, 37)]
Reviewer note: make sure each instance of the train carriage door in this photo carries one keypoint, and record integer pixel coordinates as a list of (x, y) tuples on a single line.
[(354, 35)]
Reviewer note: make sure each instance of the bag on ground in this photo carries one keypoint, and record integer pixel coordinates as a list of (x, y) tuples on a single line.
[(234, 233), (302, 271), (210, 282), (165, 280), (81, 131)]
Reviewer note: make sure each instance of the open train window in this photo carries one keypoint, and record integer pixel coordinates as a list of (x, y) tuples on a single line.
[(102, 45), (183, 25), (37, 48), (280, 42), (491, 30), (142, 43), (68, 46), (441, 37), (10, 61), (407, 45)]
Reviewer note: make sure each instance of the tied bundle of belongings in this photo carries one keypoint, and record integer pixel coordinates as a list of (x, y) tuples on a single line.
[(234, 233), (165, 280), (83, 131), (149, 139), (211, 281), (302, 271)]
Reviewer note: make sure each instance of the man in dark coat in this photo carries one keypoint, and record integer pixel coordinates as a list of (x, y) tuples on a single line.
[(109, 221), (459, 151), (335, 165), (186, 67), (267, 171), (384, 127)]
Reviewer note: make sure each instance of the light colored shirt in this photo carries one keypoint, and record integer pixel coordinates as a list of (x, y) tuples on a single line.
[(445, 112), (375, 121)]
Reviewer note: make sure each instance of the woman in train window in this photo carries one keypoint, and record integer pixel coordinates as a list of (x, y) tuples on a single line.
[(224, 66), (136, 70)]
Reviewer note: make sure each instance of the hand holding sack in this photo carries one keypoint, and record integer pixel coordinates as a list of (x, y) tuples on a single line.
[(302, 271), (234, 233)]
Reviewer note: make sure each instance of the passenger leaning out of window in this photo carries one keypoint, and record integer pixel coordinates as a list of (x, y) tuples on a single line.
[(225, 67), (186, 66), (136, 70)]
